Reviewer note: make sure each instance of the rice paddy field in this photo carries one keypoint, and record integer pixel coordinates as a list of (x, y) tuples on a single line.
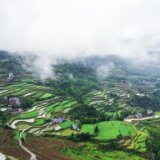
[(125, 134), (104, 102), (92, 151), (36, 120)]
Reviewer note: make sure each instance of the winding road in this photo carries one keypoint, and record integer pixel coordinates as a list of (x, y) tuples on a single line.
[(141, 119), (33, 156), (31, 120)]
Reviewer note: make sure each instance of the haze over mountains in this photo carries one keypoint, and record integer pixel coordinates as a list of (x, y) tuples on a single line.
[(71, 29)]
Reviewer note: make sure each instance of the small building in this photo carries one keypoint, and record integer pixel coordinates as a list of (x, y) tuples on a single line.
[(10, 78), (139, 115), (149, 112), (55, 121), (75, 127), (15, 109), (10, 110), (60, 120), (14, 100), (11, 75)]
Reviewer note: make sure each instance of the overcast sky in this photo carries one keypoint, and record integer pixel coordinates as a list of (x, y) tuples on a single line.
[(80, 27)]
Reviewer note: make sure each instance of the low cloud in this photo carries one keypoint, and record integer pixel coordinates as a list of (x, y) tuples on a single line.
[(104, 70), (55, 30)]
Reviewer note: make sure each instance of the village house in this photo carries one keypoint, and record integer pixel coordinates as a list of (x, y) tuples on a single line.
[(139, 115), (14, 100), (2, 100), (10, 78), (149, 112), (15, 110), (75, 127), (57, 121)]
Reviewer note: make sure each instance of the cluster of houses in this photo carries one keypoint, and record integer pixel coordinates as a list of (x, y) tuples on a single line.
[(14, 100), (57, 121), (10, 78), (149, 113), (60, 120), (2, 100), (15, 110)]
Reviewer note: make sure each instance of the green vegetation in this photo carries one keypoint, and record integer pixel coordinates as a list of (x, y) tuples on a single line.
[(47, 95), (66, 124), (29, 115), (16, 137), (39, 121), (49, 108), (24, 134)]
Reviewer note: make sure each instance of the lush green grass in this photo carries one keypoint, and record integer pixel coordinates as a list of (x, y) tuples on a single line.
[(109, 113), (142, 145), (12, 118), (39, 121), (107, 131), (92, 152), (68, 132), (22, 125), (70, 104), (16, 137), (58, 108), (47, 95), (66, 124), (29, 115), (49, 108), (143, 136), (98, 109), (66, 110), (64, 102), (157, 113), (24, 134), (88, 128), (122, 128), (110, 130)]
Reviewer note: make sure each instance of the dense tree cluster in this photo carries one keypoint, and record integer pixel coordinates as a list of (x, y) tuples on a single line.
[(154, 142), (147, 102), (87, 114), (80, 137), (73, 79), (27, 102)]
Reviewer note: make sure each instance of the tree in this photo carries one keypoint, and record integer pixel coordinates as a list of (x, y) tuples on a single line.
[(26, 103)]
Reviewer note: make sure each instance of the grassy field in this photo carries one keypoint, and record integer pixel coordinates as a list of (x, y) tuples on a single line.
[(39, 121), (107, 131), (88, 128), (16, 137), (58, 108), (68, 132), (49, 108), (93, 152), (109, 113), (29, 115), (70, 104), (66, 124), (24, 134), (47, 95)]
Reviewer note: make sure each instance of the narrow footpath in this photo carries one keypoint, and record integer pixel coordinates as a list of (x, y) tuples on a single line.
[(141, 119), (33, 156)]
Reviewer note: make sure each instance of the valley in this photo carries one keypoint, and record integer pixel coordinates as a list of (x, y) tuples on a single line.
[(77, 119)]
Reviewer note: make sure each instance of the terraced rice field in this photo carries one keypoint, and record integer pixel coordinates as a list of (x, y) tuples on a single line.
[(66, 124), (139, 143)]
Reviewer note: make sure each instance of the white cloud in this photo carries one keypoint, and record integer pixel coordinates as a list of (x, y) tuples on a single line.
[(69, 28)]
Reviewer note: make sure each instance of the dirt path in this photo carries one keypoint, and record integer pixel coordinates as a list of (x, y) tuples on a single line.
[(33, 156), (141, 119)]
